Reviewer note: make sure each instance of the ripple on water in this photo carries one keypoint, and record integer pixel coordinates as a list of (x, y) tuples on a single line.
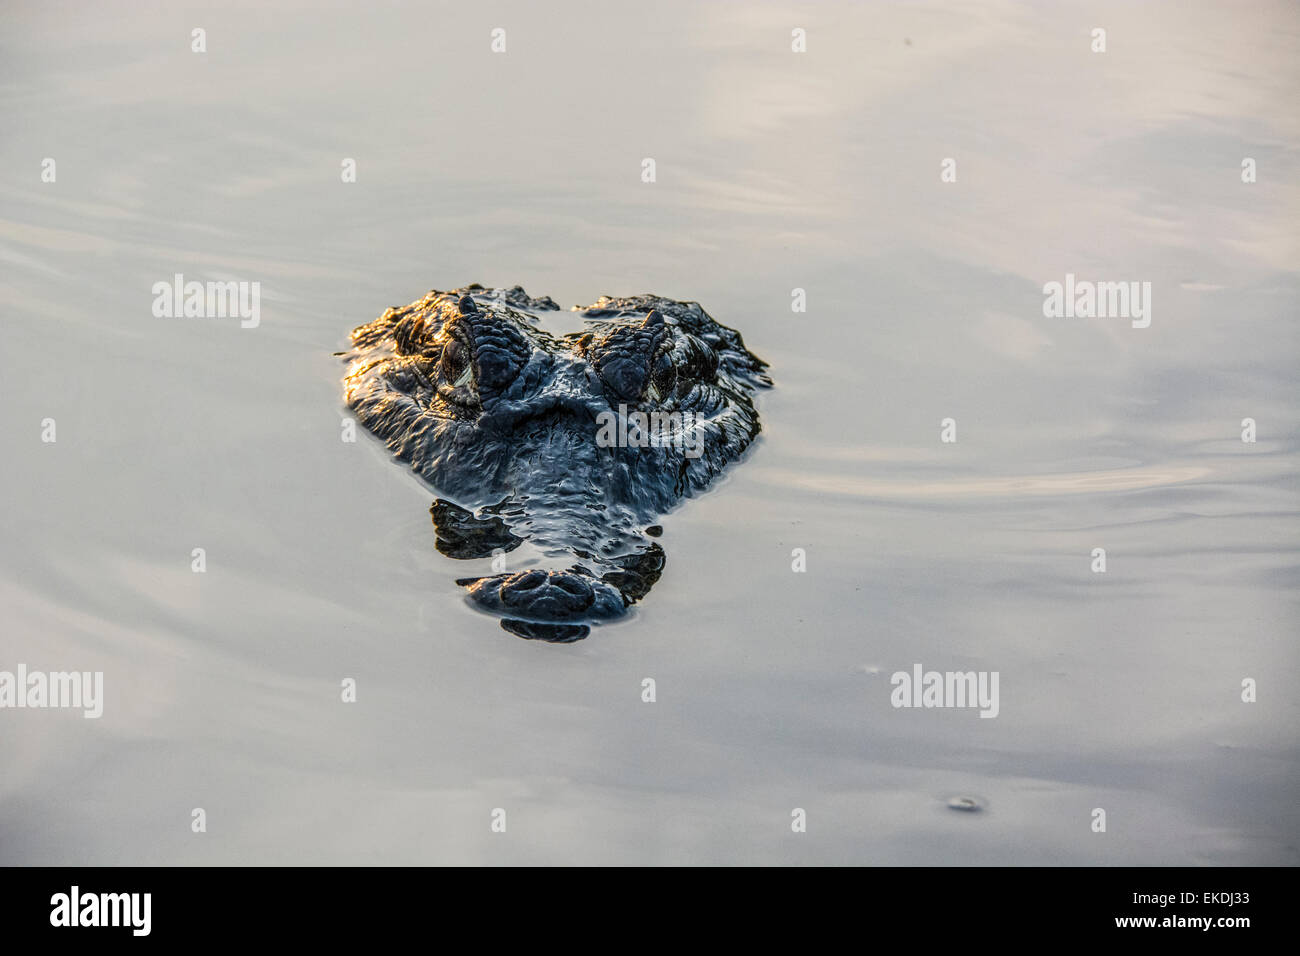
[(967, 803)]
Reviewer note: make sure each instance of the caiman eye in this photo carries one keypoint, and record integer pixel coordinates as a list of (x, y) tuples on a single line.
[(456, 372), (663, 378), (621, 356)]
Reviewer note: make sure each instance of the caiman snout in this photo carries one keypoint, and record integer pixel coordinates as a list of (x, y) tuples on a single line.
[(548, 594), (539, 595)]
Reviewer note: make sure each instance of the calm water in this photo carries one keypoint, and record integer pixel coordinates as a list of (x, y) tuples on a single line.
[(775, 171)]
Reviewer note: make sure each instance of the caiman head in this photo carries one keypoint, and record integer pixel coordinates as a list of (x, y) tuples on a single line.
[(572, 445)]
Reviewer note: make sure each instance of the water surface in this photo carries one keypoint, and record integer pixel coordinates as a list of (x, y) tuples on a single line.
[(775, 171)]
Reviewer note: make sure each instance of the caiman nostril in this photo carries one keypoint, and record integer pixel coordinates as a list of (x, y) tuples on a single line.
[(573, 585), (528, 581)]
